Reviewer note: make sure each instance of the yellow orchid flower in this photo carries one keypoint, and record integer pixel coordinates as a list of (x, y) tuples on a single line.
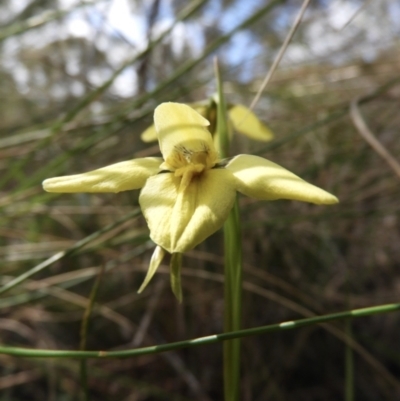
[(241, 119), (187, 195)]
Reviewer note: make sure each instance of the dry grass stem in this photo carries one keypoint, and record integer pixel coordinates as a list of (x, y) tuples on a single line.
[(371, 139)]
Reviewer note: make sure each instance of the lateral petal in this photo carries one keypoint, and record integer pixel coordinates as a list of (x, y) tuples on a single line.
[(180, 220), (149, 134), (182, 133), (262, 179), (247, 123), (155, 261), (123, 176)]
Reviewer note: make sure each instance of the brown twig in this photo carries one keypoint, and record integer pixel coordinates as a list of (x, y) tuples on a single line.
[(369, 137), (280, 53)]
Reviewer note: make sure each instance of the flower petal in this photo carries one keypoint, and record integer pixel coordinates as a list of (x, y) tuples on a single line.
[(261, 179), (175, 268), (181, 133), (149, 134), (123, 176), (247, 123), (155, 261), (180, 220)]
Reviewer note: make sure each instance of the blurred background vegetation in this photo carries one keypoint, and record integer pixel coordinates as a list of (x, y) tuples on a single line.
[(79, 82)]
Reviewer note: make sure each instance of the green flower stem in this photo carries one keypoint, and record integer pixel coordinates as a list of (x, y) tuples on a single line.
[(233, 266), (175, 267), (60, 255), (233, 303), (201, 341)]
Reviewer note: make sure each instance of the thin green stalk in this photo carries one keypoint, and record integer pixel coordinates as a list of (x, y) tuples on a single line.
[(88, 99), (186, 67), (349, 355), (349, 364), (84, 379), (190, 64), (201, 341), (233, 266), (60, 255), (187, 11), (30, 295), (37, 21), (83, 334)]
